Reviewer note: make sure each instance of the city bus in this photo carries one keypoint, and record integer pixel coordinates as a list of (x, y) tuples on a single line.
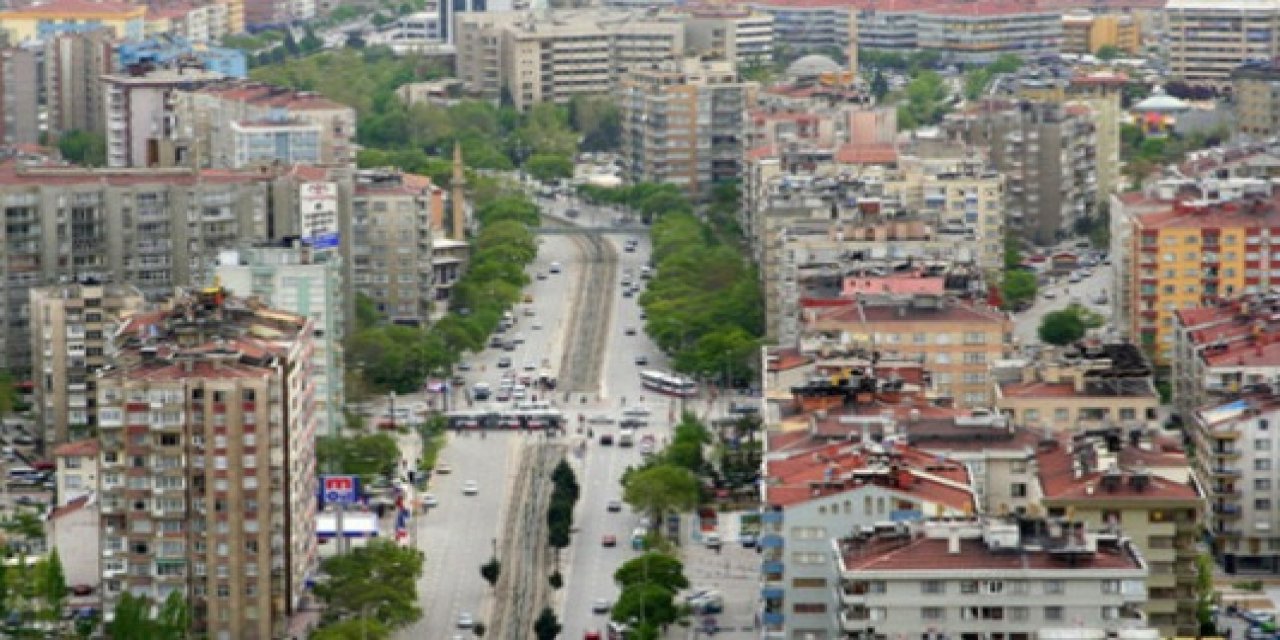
[(670, 384)]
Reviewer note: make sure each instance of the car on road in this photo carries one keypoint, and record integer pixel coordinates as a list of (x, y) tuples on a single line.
[(600, 606), (82, 590), (592, 635), (626, 293), (747, 540), (642, 360), (464, 366), (608, 540), (606, 439), (443, 468), (504, 362), (554, 268), (631, 331), (429, 501), (465, 621), (470, 488), (537, 326), (614, 506), (1048, 294), (530, 366)]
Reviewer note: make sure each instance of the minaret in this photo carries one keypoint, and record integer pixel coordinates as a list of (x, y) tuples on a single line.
[(457, 185)]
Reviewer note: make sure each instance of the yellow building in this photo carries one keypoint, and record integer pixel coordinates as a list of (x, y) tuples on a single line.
[(1087, 33), (38, 22), (1182, 255)]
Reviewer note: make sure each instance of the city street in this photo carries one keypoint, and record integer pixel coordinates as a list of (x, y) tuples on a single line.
[(1027, 323)]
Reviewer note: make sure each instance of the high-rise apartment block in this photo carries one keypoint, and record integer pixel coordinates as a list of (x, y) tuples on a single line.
[(308, 282), (207, 478), (19, 97), (73, 325), (142, 130), (392, 243), (980, 31), (555, 56), (1209, 39), (1048, 154), (683, 124), (74, 63)]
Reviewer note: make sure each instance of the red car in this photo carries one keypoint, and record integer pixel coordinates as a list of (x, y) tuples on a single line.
[(591, 635), (609, 540)]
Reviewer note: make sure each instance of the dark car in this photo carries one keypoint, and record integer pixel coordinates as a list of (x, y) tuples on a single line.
[(504, 362), (606, 439)]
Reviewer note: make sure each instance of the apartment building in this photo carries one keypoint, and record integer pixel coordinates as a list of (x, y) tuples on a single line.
[(976, 579), (739, 36), (77, 476), (207, 478), (73, 328), (74, 95), (1143, 494), (1209, 39), (1048, 154), (1224, 350), (276, 13), (826, 492), (1184, 245), (812, 26), (298, 279), (1235, 447), (1256, 90), (980, 31), (1103, 91), (38, 21), (890, 27), (241, 123), (682, 124), (1086, 32), (392, 243), (451, 10), (202, 24), (19, 97), (1087, 386), (563, 53), (955, 340), (142, 130)]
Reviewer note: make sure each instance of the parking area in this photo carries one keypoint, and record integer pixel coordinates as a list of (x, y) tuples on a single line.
[(732, 571)]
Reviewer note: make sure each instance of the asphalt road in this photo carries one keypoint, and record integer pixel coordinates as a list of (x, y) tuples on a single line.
[(1026, 323)]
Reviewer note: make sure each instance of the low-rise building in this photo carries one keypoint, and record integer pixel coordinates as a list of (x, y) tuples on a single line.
[(76, 470), (1086, 386), (73, 528), (971, 579), (1125, 486), (825, 492)]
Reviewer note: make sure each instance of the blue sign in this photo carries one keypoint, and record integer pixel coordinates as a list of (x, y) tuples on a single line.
[(343, 490), (323, 241)]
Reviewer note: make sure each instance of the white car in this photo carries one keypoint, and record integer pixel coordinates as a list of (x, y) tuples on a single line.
[(465, 621), (470, 488), (600, 606), (429, 501)]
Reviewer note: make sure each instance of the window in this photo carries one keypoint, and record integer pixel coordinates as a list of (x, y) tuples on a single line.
[(1110, 586), (809, 607), (1061, 414), (982, 613), (1053, 613), (1054, 587), (1262, 504), (1262, 484), (933, 587), (1018, 587), (1019, 613), (933, 614), (809, 583), (1018, 490), (1262, 464), (1262, 444), (969, 586), (975, 357)]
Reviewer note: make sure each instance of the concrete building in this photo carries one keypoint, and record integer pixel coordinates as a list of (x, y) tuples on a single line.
[(742, 37), (392, 243), (1047, 152), (1183, 245), (682, 124), (1086, 32), (306, 282), (438, 92), (1209, 39), (142, 130), (1103, 91), (812, 26), (201, 24), (77, 472), (73, 529), (956, 340), (1235, 447), (73, 327), (248, 121), (1256, 90), (167, 50), (563, 53), (1084, 387), (1148, 496), (277, 13), (219, 503), (980, 31), (19, 97), (418, 32), (982, 578), (451, 10), (38, 21), (1222, 351), (816, 495), (74, 95)]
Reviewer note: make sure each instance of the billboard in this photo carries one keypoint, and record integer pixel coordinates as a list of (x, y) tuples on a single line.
[(339, 489), (318, 214)]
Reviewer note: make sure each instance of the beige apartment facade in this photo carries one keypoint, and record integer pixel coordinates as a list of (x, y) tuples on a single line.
[(73, 328), (1209, 39)]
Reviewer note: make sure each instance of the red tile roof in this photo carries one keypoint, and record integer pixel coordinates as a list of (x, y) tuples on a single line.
[(923, 553), (78, 448), (60, 7), (838, 468), (70, 507), (787, 359), (1059, 481), (951, 312), (866, 154)]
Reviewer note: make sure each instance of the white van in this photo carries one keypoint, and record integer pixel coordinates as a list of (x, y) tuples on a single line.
[(24, 474)]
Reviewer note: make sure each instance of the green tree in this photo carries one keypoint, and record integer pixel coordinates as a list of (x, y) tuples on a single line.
[(490, 571), (9, 398), (1206, 596), (879, 85), (547, 626), (660, 490), (546, 167), (379, 578), (53, 584), (174, 617), (652, 568), (1061, 327), (367, 315), (131, 619), (1018, 286), (1108, 52), (598, 120), (649, 603), (366, 456), (353, 629), (83, 148), (310, 43)]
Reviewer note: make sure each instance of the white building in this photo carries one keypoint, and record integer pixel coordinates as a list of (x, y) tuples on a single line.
[(1208, 39), (287, 141), (77, 470), (142, 128)]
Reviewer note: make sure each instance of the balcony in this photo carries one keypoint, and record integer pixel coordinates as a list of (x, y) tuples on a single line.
[(854, 619), (1226, 472), (1226, 510)]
